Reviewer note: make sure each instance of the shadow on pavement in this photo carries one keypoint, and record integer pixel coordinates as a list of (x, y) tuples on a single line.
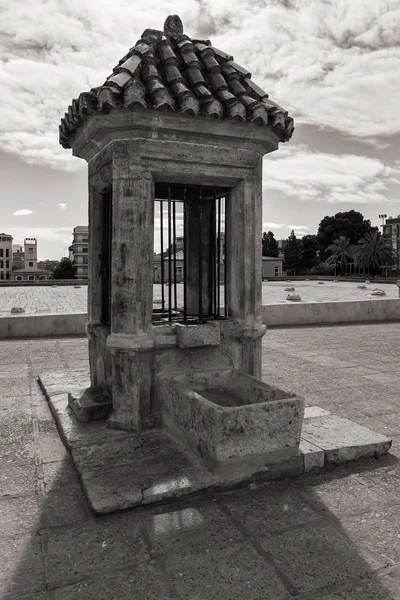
[(325, 536)]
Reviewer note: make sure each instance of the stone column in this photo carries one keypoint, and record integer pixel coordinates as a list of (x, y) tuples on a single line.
[(198, 216), (131, 338), (244, 263), (96, 331)]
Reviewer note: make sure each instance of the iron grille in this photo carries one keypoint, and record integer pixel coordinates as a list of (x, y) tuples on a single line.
[(190, 265)]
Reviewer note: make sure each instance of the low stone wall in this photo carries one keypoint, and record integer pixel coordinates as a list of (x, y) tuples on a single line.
[(26, 326), (42, 282), (319, 313), (273, 315)]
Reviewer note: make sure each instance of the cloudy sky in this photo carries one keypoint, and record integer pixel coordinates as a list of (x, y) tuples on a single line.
[(333, 64)]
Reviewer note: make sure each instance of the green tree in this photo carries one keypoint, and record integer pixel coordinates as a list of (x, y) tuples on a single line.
[(310, 252), (350, 225), (340, 252), (64, 270), (269, 245), (374, 251), (292, 253)]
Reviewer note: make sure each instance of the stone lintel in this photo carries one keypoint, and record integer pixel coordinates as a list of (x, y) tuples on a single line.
[(101, 129), (139, 342), (208, 334)]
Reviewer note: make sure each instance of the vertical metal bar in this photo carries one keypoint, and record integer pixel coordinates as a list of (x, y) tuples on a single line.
[(185, 254), (162, 256), (200, 254), (174, 243), (219, 258), (214, 253), (169, 257), (224, 256)]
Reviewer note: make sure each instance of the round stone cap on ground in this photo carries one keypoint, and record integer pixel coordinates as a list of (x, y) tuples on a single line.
[(289, 289), (378, 292), (17, 310), (293, 297)]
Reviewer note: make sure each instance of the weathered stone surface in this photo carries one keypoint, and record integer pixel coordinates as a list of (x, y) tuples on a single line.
[(315, 557), (96, 547), (343, 440), (272, 507), (162, 477), (21, 565), (310, 412), (203, 527), (236, 423), (313, 456), (63, 382), (233, 572), (91, 404), (188, 336), (141, 581)]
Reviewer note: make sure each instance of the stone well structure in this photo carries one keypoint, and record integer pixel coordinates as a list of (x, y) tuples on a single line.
[(176, 119)]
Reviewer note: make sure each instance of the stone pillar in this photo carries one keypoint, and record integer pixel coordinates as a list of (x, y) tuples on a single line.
[(244, 264), (131, 338), (96, 331), (198, 228)]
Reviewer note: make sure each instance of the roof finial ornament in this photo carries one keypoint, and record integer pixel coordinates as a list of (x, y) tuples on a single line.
[(173, 25)]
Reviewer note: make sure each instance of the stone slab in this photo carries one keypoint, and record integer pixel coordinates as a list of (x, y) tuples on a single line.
[(313, 456), (310, 412), (342, 440), (120, 470)]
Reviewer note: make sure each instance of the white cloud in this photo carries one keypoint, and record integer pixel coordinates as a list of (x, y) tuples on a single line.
[(331, 178), (62, 206), (299, 230), (333, 63), (22, 212)]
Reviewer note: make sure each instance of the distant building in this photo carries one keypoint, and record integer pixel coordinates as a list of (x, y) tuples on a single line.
[(18, 254), (391, 232), (78, 251), (5, 255), (271, 267), (29, 271)]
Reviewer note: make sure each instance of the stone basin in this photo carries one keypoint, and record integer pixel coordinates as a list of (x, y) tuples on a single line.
[(236, 423)]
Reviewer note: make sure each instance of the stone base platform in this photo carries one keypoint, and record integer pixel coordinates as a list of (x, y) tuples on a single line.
[(120, 470)]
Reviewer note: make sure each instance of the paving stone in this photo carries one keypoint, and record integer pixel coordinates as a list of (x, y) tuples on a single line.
[(64, 507), (13, 386), (17, 479), (19, 514), (60, 474), (384, 481), (367, 589), (51, 447), (343, 440), (233, 572), (198, 528), (314, 556), (339, 496), (386, 424), (313, 457), (141, 581), (91, 549), (311, 412), (16, 430), (60, 382), (21, 565), (16, 453), (377, 532), (122, 449), (272, 507), (164, 476)]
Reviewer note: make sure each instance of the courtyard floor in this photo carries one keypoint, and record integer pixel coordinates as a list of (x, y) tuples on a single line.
[(327, 536), (68, 299)]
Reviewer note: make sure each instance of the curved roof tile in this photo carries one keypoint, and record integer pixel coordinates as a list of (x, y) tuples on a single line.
[(168, 70)]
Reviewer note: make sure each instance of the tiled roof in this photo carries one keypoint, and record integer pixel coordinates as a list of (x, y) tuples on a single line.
[(168, 70)]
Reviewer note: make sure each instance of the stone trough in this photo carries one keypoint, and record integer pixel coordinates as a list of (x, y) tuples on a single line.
[(234, 422)]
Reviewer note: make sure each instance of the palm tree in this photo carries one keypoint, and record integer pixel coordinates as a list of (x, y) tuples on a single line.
[(341, 251), (374, 251)]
